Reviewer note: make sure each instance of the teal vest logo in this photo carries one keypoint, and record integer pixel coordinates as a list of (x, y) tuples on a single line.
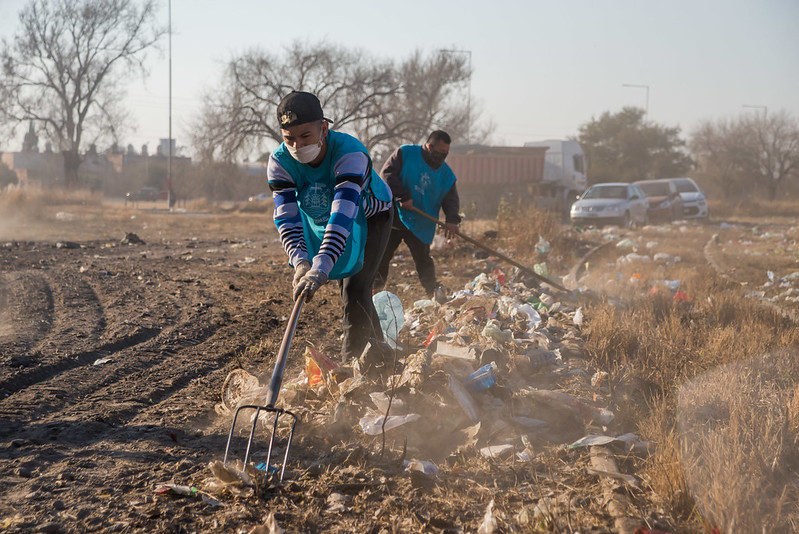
[(316, 202)]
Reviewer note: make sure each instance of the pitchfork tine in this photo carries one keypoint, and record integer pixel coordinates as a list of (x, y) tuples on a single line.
[(274, 389)]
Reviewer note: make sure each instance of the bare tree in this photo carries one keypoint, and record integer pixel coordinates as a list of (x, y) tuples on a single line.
[(63, 69), (716, 148), (774, 153), (742, 155), (381, 102)]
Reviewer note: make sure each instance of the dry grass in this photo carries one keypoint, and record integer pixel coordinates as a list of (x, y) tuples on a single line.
[(698, 379), (521, 226), (712, 381), (81, 215), (751, 207), (29, 201)]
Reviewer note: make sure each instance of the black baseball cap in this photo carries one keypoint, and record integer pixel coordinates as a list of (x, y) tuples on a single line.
[(299, 107)]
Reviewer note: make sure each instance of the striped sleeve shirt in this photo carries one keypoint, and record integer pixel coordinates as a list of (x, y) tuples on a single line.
[(349, 173)]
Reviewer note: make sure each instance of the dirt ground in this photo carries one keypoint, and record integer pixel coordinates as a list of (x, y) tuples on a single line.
[(113, 356)]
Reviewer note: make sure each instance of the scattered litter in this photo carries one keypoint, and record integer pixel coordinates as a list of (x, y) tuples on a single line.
[(493, 331), (269, 526), (445, 348), (101, 361), (381, 399), (589, 441), (569, 404), (423, 466), (496, 451), (189, 491), (318, 367), (483, 378), (464, 399), (668, 259), (235, 385), (543, 247), (65, 216), (392, 318), (633, 257), (489, 524), (578, 317), (132, 239), (372, 425), (336, 502), (211, 501)]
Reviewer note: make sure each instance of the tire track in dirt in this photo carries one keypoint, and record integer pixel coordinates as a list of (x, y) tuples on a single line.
[(26, 315), (77, 321), (147, 373)]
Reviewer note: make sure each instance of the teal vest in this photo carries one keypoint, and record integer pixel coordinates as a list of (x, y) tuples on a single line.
[(428, 188), (315, 189)]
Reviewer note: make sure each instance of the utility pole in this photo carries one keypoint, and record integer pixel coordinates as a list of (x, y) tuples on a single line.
[(170, 200)]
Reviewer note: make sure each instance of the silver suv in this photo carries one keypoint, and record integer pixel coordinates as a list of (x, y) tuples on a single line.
[(694, 203)]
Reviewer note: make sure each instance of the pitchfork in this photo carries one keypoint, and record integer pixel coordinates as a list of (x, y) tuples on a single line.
[(274, 390)]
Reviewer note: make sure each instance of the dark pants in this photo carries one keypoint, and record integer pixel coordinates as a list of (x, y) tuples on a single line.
[(360, 317), (420, 252)]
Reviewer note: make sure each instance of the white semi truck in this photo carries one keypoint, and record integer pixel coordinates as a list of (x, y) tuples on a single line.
[(564, 175), (550, 172)]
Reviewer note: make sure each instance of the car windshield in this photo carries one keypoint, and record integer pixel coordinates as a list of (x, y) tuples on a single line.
[(655, 189), (685, 186), (607, 191)]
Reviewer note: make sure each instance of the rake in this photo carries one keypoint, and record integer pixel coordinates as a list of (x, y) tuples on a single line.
[(274, 389), (496, 253)]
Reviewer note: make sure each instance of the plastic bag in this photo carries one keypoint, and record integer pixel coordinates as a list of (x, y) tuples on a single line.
[(391, 315), (372, 425)]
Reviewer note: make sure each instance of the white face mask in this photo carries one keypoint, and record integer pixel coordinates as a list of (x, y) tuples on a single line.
[(305, 154)]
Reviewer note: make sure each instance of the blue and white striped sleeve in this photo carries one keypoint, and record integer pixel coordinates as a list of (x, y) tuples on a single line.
[(287, 213), (350, 173)]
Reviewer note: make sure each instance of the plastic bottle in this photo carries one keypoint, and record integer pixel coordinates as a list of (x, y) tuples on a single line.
[(483, 378)]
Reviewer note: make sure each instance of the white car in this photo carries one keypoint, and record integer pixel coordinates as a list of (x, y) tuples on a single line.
[(616, 203), (260, 197), (694, 203)]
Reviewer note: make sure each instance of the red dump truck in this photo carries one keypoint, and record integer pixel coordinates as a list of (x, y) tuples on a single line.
[(549, 174)]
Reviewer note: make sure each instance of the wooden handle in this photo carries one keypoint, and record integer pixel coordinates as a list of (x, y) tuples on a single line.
[(492, 251)]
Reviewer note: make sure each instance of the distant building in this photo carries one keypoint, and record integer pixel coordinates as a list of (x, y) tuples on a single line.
[(35, 169), (114, 171), (163, 147)]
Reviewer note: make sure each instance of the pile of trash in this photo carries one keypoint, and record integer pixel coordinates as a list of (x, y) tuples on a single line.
[(496, 370)]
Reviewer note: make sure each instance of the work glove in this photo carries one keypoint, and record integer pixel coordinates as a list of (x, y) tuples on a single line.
[(299, 271), (309, 283)]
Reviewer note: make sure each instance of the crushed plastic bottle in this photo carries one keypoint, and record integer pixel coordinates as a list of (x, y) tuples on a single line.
[(483, 378), (542, 247)]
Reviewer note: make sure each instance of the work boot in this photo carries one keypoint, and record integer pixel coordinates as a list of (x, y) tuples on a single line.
[(375, 360)]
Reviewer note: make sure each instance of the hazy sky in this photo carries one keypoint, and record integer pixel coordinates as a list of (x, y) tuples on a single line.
[(541, 69)]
